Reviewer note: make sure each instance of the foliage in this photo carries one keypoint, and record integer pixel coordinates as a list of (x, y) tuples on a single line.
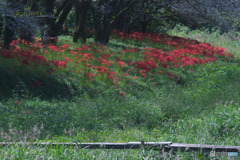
[(223, 14), (66, 106), (230, 40), (49, 17)]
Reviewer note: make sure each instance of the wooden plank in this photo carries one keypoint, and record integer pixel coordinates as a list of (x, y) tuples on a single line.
[(160, 146), (202, 148), (130, 145)]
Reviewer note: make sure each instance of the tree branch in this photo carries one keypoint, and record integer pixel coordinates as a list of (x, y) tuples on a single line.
[(122, 12)]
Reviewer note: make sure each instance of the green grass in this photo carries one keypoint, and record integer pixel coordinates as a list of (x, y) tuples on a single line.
[(29, 152), (202, 109), (230, 41)]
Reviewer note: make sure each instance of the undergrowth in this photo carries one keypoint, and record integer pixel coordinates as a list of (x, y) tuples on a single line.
[(199, 105)]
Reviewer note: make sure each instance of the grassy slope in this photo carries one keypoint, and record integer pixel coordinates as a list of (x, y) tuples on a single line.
[(203, 110)]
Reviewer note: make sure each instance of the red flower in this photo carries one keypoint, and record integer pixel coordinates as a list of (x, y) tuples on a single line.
[(17, 102), (64, 46), (64, 28), (121, 64), (53, 48), (66, 58), (37, 83), (135, 77), (125, 74), (26, 112), (122, 94), (53, 38)]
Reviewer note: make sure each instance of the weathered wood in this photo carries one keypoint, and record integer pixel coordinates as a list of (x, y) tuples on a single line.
[(160, 146), (202, 148), (130, 145)]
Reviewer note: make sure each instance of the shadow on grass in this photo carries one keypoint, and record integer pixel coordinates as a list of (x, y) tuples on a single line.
[(16, 84), (43, 101)]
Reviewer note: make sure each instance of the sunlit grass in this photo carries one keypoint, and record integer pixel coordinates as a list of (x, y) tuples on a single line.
[(201, 107), (230, 41)]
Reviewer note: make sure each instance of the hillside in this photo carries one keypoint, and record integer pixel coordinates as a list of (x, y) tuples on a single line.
[(140, 86)]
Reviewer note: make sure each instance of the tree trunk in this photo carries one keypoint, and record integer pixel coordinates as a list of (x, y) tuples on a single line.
[(123, 24), (1, 27), (9, 31), (48, 20), (103, 23), (34, 5), (120, 24), (81, 9), (24, 32), (128, 27), (55, 29), (102, 27), (144, 25)]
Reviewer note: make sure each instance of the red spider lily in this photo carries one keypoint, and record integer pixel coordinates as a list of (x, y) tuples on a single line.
[(26, 112), (6, 54), (14, 42), (53, 48), (17, 102), (88, 65), (73, 52), (129, 62), (182, 53), (64, 46), (66, 58), (125, 74), (122, 94), (105, 62), (159, 72), (101, 69), (85, 55), (121, 64), (37, 83), (142, 72), (145, 65), (115, 80), (59, 64), (53, 38), (111, 74), (105, 56), (90, 76)]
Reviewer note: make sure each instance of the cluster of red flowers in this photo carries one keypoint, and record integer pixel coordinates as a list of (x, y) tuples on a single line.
[(30, 54), (181, 52), (95, 61)]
